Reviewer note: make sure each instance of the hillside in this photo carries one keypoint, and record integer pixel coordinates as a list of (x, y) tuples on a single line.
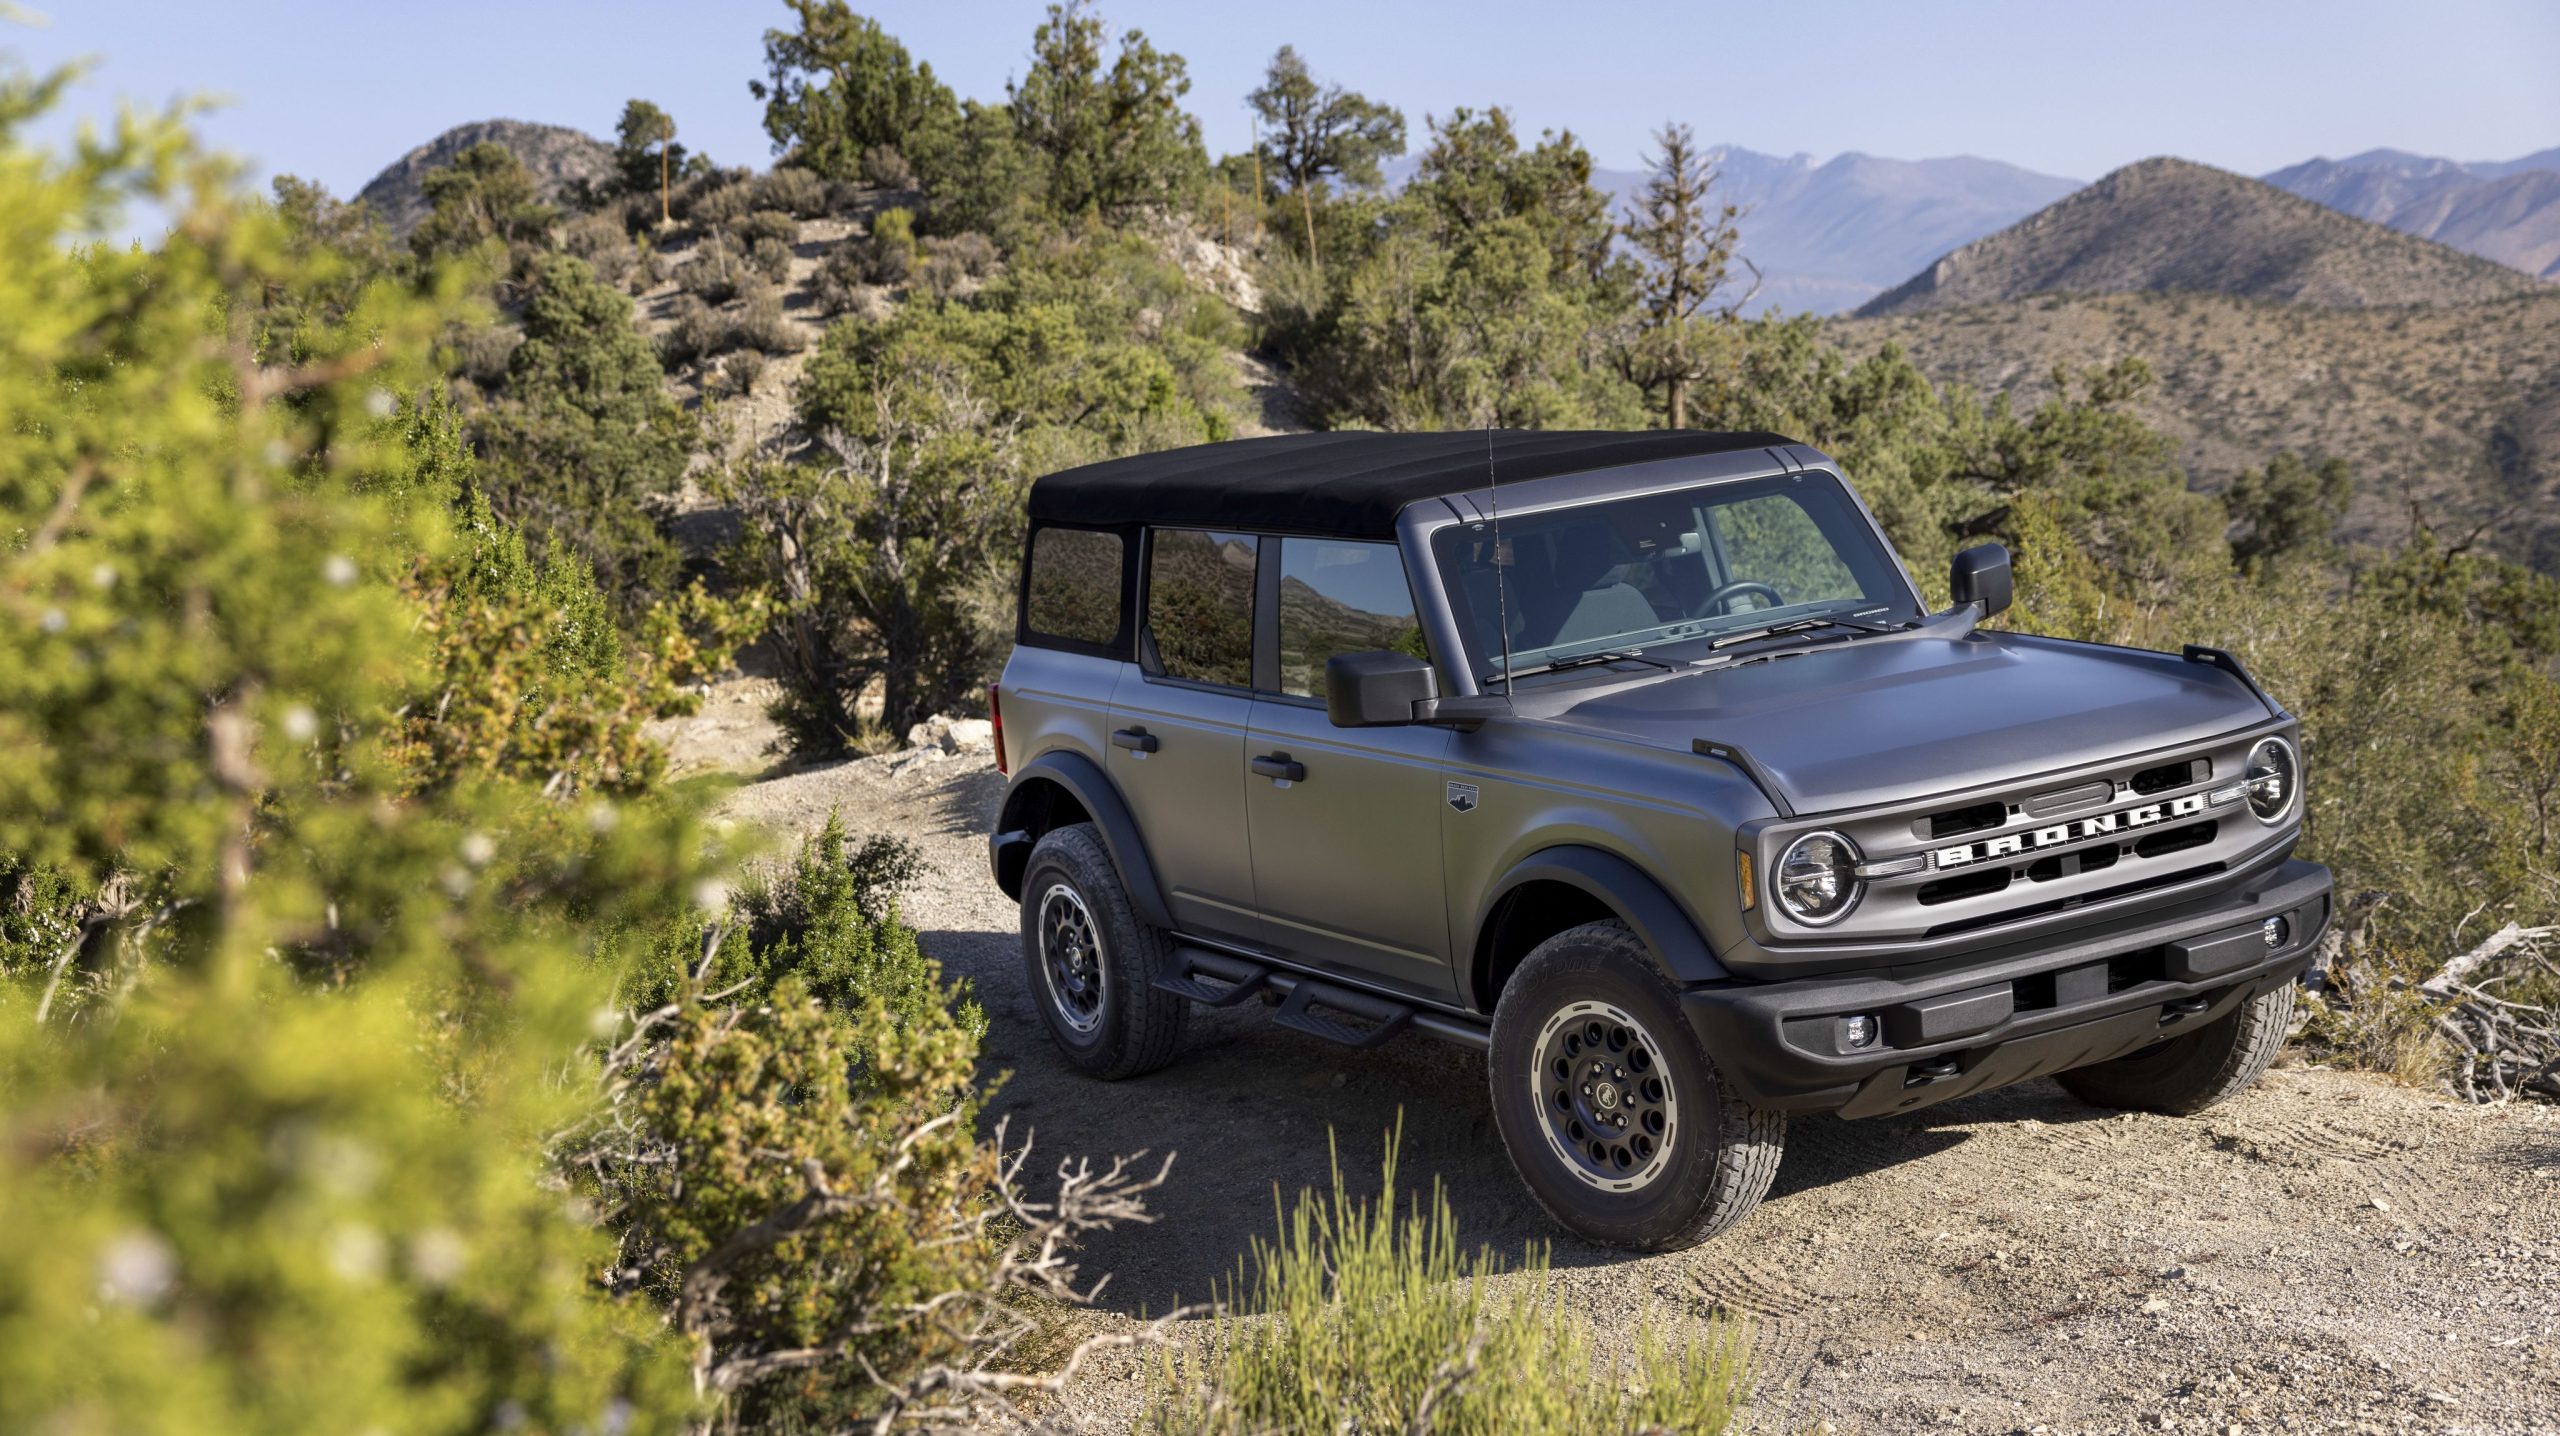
[(2173, 225), (559, 158), (2457, 408), (2507, 211)]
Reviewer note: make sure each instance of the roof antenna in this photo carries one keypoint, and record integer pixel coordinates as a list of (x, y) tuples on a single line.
[(1501, 581)]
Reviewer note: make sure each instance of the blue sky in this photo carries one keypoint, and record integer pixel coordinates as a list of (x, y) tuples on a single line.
[(336, 90)]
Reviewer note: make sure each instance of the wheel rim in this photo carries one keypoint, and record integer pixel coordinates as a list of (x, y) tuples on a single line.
[(1071, 957), (1605, 1100)]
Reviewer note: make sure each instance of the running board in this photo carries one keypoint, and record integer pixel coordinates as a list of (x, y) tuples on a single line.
[(1310, 1002), (1328, 1010), (1212, 979)]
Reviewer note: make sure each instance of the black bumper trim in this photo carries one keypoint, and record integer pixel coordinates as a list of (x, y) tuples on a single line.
[(2085, 997)]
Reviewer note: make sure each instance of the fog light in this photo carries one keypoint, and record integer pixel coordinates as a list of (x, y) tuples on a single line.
[(2273, 930), (1859, 1032)]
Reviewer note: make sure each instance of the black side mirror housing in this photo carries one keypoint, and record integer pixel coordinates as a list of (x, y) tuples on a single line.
[(1980, 575), (1378, 689)]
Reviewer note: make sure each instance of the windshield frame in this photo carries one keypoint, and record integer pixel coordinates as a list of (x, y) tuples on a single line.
[(1860, 545)]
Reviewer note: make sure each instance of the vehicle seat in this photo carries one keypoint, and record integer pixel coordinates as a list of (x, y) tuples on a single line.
[(1587, 602)]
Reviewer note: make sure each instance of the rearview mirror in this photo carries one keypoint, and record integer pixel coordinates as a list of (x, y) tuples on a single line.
[(1377, 690), (1980, 575)]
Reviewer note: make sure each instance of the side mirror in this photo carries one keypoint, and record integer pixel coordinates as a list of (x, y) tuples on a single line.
[(1377, 690), (1980, 575)]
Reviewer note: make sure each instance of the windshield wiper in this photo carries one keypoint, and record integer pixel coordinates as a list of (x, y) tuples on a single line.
[(1580, 660), (1806, 624)]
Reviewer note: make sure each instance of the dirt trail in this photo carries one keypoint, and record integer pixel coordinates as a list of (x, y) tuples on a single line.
[(2328, 1252)]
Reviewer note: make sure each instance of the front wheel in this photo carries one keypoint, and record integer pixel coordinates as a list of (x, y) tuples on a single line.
[(2185, 1075), (1614, 1114)]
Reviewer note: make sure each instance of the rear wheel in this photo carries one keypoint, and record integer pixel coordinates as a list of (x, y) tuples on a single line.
[(2188, 1074), (1617, 1119), (1091, 962)]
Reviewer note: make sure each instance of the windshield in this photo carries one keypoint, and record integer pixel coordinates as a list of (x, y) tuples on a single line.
[(1656, 571)]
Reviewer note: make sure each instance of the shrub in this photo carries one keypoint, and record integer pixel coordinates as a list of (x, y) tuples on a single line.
[(770, 258), (740, 371), (887, 255), (1361, 1320), (793, 191), (760, 324), (973, 252), (716, 270), (720, 199), (694, 331), (602, 241), (766, 224), (886, 167)]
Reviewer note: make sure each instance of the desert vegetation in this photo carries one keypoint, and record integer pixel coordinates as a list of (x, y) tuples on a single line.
[(386, 1041)]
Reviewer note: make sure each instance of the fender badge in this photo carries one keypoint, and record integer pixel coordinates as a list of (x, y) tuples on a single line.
[(1462, 797)]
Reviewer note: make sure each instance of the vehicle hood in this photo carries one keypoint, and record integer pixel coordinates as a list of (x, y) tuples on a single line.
[(1876, 721)]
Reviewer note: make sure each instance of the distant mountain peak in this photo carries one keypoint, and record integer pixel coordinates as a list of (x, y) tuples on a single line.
[(2166, 223)]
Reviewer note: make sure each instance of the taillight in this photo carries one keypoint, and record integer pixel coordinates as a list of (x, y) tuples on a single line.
[(995, 717)]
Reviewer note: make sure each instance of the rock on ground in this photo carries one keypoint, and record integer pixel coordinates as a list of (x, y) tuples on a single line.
[(2328, 1252)]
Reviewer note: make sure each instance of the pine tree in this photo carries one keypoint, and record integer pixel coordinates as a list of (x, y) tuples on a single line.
[(1687, 244), (1318, 133)]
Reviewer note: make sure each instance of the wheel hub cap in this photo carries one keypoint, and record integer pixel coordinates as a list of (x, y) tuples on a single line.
[(1605, 1102), (1071, 957)]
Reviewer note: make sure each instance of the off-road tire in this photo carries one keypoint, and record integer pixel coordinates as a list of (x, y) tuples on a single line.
[(1722, 1153), (1132, 1028), (2187, 1074)]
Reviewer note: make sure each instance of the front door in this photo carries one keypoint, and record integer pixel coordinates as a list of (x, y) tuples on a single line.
[(1345, 821), (1178, 727)]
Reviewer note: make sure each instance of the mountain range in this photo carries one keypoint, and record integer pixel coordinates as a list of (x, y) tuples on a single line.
[(2506, 210)]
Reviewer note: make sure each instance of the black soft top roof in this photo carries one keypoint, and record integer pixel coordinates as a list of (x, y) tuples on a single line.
[(1347, 484)]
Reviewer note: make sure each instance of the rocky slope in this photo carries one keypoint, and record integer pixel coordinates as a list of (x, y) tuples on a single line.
[(2173, 225), (559, 158)]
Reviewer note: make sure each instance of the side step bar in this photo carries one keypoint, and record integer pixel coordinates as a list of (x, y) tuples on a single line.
[(1310, 1005)]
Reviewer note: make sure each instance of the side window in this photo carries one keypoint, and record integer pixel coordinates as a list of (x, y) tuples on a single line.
[(1771, 539), (1340, 597), (1200, 604), (1074, 592)]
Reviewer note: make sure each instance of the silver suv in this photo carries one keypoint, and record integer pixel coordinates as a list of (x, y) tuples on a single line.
[(1637, 761)]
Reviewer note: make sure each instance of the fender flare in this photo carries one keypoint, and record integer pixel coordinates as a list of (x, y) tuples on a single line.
[(1084, 780), (1626, 890)]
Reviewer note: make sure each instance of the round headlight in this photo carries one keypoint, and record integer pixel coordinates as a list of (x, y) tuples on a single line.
[(1815, 878), (2273, 776)]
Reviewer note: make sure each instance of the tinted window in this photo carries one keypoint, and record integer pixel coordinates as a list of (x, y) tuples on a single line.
[(1200, 604), (1772, 540), (1339, 597), (1075, 585)]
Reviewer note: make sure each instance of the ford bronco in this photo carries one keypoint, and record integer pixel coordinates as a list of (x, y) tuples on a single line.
[(1638, 762)]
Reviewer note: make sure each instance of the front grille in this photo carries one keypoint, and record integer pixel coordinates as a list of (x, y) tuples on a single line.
[(2038, 845)]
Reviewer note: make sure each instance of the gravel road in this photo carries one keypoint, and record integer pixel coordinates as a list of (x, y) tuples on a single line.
[(2328, 1252)]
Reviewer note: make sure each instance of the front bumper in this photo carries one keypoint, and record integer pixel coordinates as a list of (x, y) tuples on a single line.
[(2026, 1010)]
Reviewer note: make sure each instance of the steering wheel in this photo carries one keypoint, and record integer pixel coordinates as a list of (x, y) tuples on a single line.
[(1716, 600)]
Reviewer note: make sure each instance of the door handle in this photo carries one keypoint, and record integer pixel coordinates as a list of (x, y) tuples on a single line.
[(1136, 740), (1278, 766)]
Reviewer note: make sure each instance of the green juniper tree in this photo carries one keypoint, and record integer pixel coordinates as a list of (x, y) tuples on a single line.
[(583, 442), (1111, 141), (838, 85), (1312, 133), (484, 195), (645, 152)]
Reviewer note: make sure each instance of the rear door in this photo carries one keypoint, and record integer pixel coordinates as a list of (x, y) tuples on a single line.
[(1178, 725), (1345, 821)]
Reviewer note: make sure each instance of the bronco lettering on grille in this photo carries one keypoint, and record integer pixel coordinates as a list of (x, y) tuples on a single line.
[(2063, 834)]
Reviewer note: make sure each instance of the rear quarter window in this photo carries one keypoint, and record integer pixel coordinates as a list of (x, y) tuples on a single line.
[(1073, 593)]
